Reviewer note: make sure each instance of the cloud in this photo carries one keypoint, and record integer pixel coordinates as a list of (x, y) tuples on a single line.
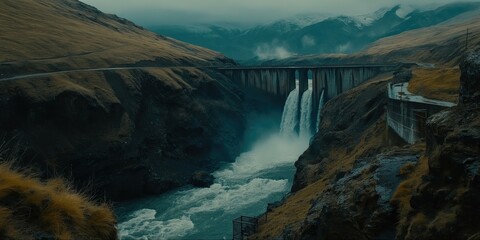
[(271, 51), (344, 48), (161, 12), (308, 41)]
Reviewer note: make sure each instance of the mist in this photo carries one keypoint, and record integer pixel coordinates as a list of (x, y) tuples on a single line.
[(270, 51)]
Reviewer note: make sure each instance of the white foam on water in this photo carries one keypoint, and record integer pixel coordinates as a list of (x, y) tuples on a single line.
[(224, 198), (272, 152), (143, 225), (239, 186)]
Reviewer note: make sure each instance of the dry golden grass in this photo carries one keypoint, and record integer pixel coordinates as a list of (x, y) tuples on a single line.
[(70, 34), (442, 44), (403, 194), (29, 207), (401, 197), (294, 211), (407, 169), (436, 83)]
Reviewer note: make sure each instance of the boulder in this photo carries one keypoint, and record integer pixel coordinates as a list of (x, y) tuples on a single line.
[(202, 179)]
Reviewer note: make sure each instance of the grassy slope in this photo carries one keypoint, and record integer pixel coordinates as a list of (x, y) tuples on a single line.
[(443, 44), (51, 34), (49, 209), (436, 83)]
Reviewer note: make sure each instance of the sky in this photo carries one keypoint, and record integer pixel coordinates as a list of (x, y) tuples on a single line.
[(241, 12)]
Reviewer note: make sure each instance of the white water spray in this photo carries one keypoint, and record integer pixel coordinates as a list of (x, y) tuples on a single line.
[(290, 114), (244, 187), (306, 114), (321, 102)]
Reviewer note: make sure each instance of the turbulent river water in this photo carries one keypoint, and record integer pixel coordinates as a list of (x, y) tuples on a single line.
[(257, 177)]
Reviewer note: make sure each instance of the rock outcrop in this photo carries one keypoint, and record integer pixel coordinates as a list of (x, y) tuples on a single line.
[(125, 133), (202, 179), (364, 188), (446, 199), (344, 120), (343, 184), (470, 79)]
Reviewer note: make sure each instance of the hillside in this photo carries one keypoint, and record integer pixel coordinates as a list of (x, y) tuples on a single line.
[(50, 35), (125, 132), (313, 34), (441, 44), (34, 209)]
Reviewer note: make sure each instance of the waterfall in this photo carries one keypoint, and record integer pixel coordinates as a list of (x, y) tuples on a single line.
[(290, 114), (306, 114), (320, 107)]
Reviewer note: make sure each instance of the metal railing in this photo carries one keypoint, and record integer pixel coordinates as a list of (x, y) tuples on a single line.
[(244, 227)]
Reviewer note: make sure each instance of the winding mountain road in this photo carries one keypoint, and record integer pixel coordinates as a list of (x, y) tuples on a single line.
[(400, 91), (36, 75)]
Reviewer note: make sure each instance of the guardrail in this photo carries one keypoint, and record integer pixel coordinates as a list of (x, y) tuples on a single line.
[(407, 113), (244, 227)]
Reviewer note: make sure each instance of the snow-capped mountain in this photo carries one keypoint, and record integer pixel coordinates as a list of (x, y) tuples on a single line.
[(305, 20), (313, 33), (369, 19)]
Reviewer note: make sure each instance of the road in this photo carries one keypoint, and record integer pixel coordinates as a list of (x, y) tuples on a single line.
[(400, 91), (36, 75)]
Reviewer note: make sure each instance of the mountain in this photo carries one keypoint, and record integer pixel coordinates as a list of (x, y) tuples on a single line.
[(56, 35), (441, 44), (108, 104), (313, 34)]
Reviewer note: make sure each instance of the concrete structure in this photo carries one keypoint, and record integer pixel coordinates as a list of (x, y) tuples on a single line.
[(280, 81), (407, 113)]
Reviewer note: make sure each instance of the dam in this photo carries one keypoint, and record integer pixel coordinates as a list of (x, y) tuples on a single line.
[(320, 83)]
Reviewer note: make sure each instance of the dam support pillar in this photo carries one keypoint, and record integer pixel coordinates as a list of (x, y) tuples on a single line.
[(291, 81), (302, 80)]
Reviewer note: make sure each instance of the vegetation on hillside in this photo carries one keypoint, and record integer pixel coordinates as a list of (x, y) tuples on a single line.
[(31, 208), (50, 35), (436, 83)]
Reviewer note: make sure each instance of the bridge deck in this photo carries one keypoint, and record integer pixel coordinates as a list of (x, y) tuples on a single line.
[(309, 66)]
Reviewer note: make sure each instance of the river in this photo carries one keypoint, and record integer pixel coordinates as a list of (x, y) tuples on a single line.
[(259, 176)]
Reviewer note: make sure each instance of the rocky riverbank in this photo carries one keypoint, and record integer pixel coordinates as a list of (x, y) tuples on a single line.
[(357, 181)]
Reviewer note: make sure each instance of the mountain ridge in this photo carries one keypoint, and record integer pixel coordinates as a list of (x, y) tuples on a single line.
[(346, 34)]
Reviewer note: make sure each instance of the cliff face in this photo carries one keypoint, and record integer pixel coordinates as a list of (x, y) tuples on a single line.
[(342, 186), (444, 203), (130, 132), (344, 120), (124, 132), (354, 183)]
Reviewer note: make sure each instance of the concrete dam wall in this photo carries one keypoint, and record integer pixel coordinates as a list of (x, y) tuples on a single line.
[(331, 80)]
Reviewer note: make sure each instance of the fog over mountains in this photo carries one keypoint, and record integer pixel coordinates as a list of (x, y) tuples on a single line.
[(311, 33)]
